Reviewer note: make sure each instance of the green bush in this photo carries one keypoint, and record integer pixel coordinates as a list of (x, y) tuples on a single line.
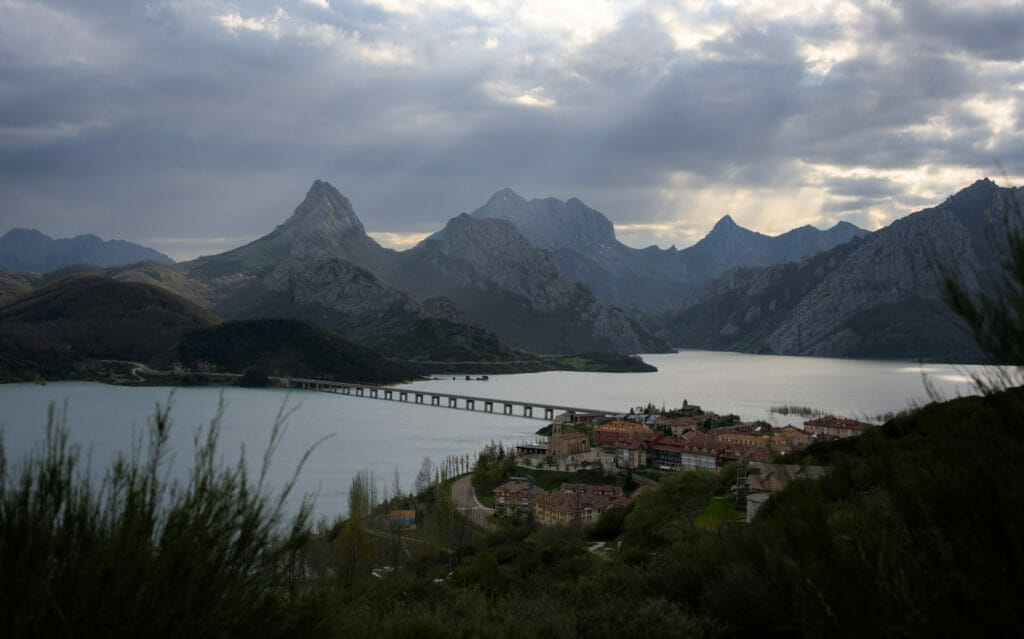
[(137, 555)]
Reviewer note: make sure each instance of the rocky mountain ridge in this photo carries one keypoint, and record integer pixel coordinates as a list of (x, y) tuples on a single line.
[(872, 296), (33, 251), (648, 281), (501, 280), (321, 263), (879, 297)]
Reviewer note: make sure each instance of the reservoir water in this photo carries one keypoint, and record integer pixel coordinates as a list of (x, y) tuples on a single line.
[(381, 435)]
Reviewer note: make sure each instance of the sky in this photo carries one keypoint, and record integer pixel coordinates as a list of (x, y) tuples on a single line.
[(194, 126)]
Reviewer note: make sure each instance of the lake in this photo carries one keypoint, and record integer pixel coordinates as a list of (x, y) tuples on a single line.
[(381, 435)]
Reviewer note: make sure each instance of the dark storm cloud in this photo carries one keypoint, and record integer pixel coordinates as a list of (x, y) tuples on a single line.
[(872, 187), (991, 32), (709, 114), (843, 206)]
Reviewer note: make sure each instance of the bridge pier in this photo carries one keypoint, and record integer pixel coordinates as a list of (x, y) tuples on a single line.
[(489, 407), (435, 400), (527, 411), (549, 413), (453, 402), (359, 392), (373, 393), (403, 396), (470, 405), (419, 398), (387, 394), (508, 409)]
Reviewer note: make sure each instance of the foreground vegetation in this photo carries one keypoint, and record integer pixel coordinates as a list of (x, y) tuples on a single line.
[(917, 530)]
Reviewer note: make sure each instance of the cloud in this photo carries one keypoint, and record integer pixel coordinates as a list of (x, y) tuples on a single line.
[(181, 249), (399, 241), (234, 22), (664, 116)]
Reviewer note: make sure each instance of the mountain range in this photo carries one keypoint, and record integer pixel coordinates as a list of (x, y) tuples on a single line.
[(30, 250), (544, 276), (548, 276), (650, 281), (878, 297), (321, 265)]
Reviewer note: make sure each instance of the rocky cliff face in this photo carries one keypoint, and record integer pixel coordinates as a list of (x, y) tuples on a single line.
[(741, 308), (550, 223), (493, 253), (336, 285), (508, 285), (894, 276), (323, 226), (876, 298)]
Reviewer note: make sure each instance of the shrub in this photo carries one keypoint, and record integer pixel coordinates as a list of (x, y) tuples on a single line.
[(137, 555)]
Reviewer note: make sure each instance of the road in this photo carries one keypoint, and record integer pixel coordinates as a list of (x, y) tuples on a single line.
[(467, 503)]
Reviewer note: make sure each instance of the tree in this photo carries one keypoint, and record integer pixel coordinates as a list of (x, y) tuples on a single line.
[(396, 485), (492, 467), (424, 477), (362, 495)]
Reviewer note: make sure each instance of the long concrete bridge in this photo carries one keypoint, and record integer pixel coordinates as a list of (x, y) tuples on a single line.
[(447, 400)]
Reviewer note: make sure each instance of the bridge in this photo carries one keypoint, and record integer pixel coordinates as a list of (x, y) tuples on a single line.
[(446, 400)]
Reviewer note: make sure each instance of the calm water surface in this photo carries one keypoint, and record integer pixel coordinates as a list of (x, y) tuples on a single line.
[(380, 435), (747, 385)]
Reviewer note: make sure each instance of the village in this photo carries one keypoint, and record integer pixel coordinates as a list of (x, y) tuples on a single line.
[(648, 443)]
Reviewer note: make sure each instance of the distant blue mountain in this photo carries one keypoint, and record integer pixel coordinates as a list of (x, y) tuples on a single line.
[(30, 250)]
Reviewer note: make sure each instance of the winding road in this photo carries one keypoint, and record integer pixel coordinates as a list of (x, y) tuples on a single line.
[(467, 503)]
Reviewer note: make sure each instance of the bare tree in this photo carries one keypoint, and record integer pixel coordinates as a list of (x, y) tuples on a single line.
[(423, 478), (362, 494), (396, 486)]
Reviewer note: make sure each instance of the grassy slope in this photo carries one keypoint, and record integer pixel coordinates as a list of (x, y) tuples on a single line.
[(49, 330)]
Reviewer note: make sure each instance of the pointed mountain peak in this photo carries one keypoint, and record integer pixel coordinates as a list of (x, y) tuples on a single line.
[(324, 226), (19, 233), (505, 198), (976, 196), (979, 189), (847, 228), (325, 210), (724, 225), (549, 222)]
